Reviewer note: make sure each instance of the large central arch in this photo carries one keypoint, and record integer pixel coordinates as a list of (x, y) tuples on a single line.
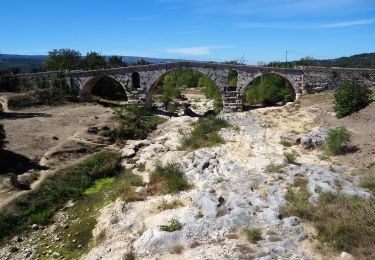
[(152, 89)]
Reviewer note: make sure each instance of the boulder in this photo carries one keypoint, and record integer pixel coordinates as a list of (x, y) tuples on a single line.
[(314, 139), (291, 138)]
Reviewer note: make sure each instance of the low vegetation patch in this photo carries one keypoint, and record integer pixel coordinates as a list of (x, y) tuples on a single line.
[(129, 256), (368, 183), (39, 205), (168, 179), (134, 123), (285, 143), (173, 225), (253, 235), (346, 223), (337, 140), (170, 205), (204, 134), (351, 97)]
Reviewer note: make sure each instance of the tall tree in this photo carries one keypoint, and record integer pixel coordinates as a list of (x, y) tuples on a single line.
[(63, 59), (94, 60), (116, 61)]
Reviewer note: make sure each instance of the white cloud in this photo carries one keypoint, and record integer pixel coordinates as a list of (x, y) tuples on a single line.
[(197, 51), (281, 25)]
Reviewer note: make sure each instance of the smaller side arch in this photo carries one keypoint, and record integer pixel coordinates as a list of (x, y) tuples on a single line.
[(88, 86), (292, 85)]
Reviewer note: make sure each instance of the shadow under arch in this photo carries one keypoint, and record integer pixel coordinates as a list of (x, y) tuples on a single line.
[(105, 87), (152, 90), (289, 83)]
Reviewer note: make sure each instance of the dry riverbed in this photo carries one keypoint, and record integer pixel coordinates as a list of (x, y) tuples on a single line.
[(236, 188)]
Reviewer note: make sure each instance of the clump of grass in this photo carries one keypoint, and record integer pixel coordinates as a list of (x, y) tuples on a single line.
[(346, 223), (177, 250), (169, 179), (253, 235), (368, 183), (129, 195), (129, 256), (285, 143), (173, 225), (141, 166), (290, 158), (337, 140), (272, 168), (219, 180), (39, 205), (170, 205), (298, 200), (204, 134)]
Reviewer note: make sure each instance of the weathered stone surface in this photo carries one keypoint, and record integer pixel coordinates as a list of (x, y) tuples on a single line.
[(314, 139)]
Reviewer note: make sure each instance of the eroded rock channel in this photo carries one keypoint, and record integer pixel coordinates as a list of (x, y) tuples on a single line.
[(236, 189)]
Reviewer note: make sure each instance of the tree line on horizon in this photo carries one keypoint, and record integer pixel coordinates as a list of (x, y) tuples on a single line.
[(69, 59)]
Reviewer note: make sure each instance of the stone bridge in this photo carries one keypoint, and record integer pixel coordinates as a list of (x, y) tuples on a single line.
[(140, 82)]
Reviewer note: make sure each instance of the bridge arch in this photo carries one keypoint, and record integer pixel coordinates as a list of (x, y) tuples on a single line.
[(293, 87), (104, 86), (291, 84), (154, 83)]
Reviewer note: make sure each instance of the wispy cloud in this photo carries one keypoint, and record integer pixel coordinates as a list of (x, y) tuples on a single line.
[(348, 23), (283, 25), (197, 51)]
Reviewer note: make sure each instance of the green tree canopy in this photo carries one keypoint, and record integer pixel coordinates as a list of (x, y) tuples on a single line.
[(116, 61), (63, 59), (94, 60)]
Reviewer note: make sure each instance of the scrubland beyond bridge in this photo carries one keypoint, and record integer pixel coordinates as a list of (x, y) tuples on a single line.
[(140, 82)]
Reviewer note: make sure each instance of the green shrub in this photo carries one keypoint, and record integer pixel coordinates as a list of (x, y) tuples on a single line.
[(174, 225), (204, 134), (351, 97), (337, 140), (253, 235), (2, 136), (129, 256), (171, 177), (39, 205)]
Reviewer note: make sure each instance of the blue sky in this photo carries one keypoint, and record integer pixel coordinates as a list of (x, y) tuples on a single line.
[(217, 30)]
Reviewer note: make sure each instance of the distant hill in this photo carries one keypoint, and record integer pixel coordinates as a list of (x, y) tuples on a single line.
[(364, 60), (28, 62)]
